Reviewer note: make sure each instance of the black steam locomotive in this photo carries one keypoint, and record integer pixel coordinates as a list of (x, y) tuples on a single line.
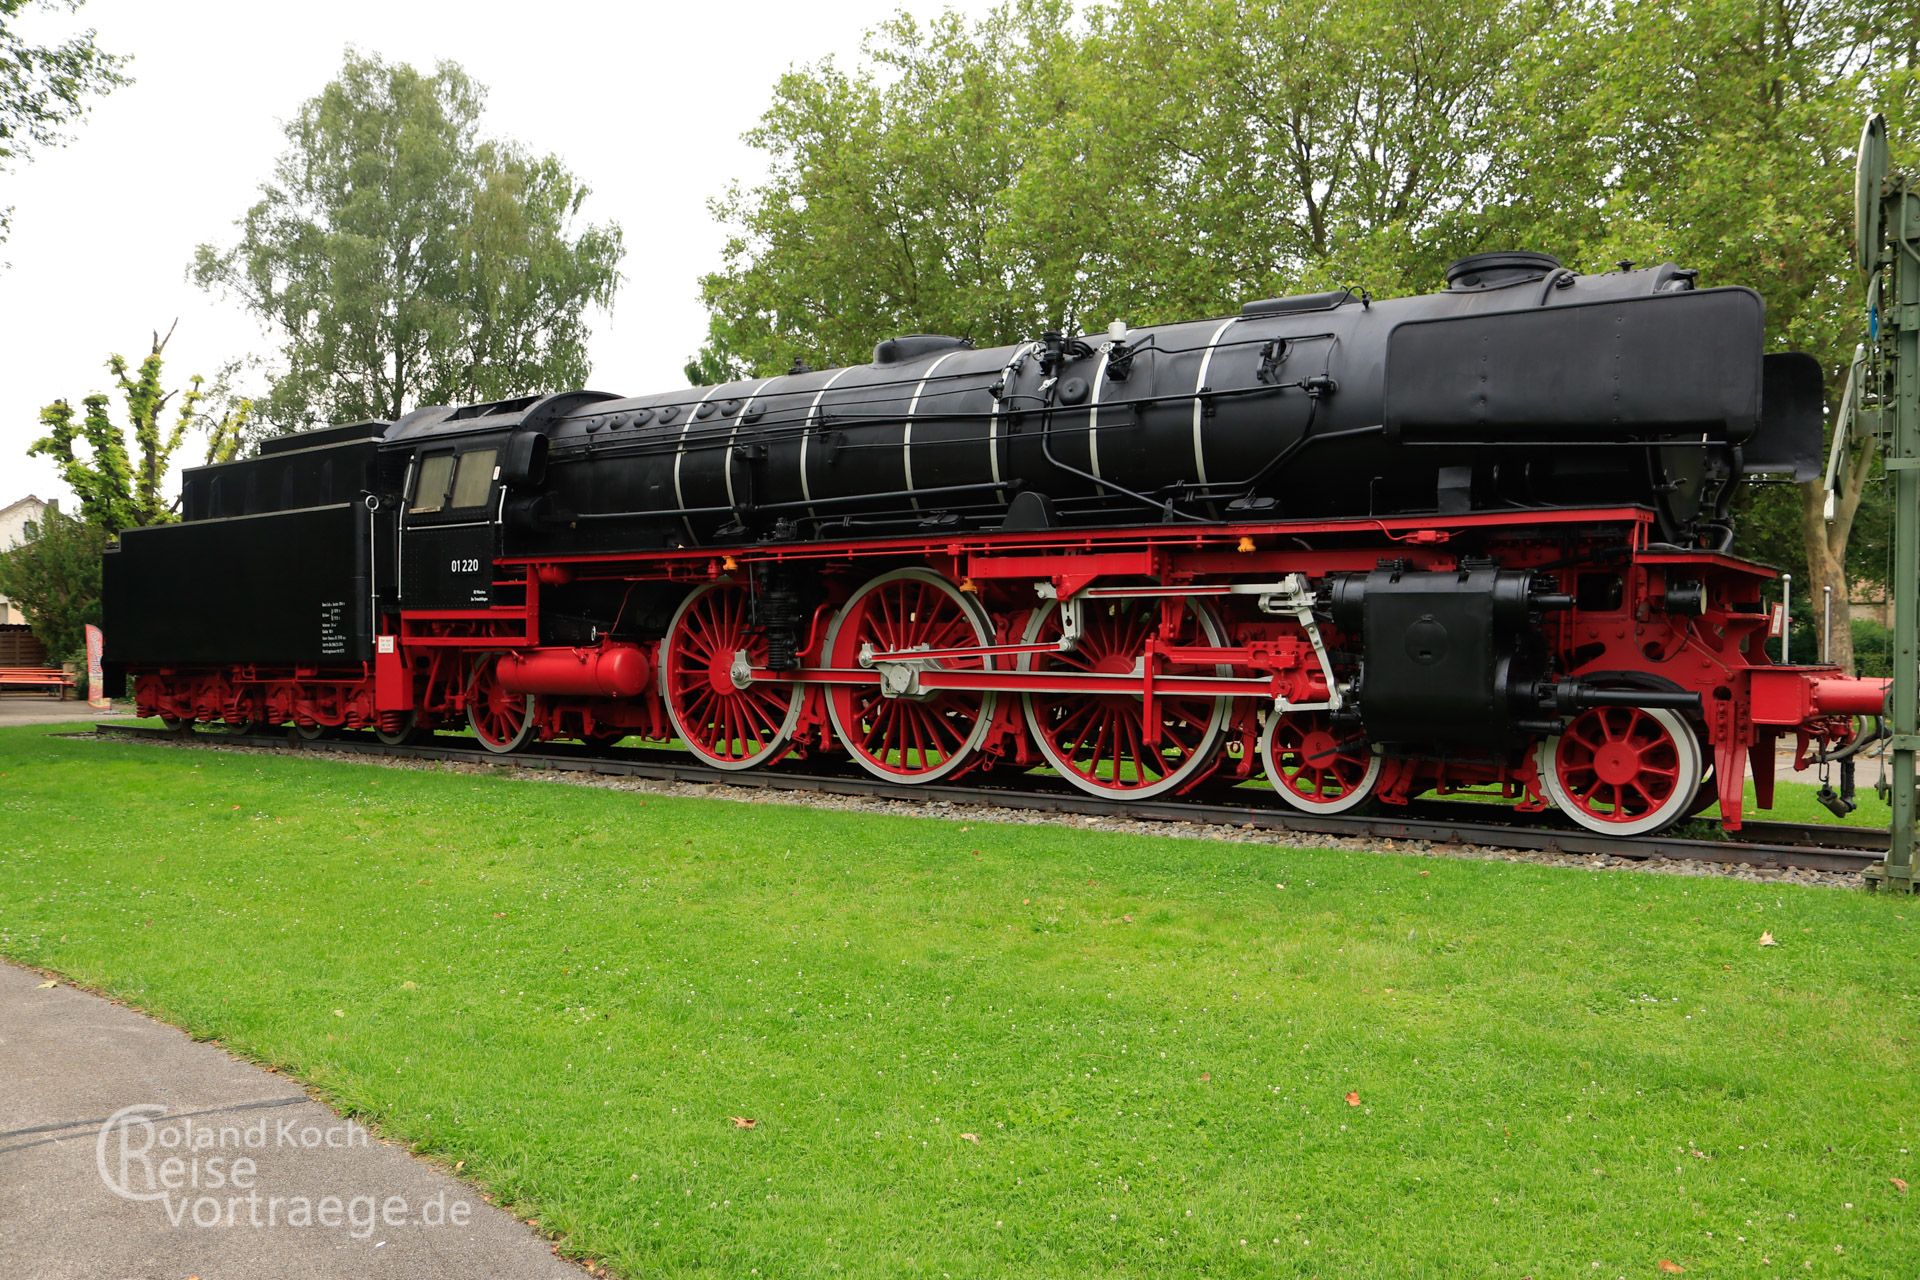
[(1478, 539)]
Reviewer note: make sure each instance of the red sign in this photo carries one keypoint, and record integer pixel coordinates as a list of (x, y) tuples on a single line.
[(1777, 623)]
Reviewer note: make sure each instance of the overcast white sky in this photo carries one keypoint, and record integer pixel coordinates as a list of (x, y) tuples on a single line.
[(645, 102)]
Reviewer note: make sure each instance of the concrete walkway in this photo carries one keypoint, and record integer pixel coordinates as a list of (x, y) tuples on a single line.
[(301, 1194), (38, 708)]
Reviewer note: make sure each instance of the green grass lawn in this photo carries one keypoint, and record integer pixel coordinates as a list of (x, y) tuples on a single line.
[(1795, 802), (978, 1050)]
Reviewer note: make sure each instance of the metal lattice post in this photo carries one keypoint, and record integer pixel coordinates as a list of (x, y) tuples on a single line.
[(1885, 405), (1899, 323), (1882, 405)]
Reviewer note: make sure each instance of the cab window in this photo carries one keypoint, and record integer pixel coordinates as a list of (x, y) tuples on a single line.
[(430, 490), (473, 478)]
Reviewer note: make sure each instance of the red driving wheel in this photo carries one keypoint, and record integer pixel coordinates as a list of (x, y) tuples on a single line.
[(1101, 742), (727, 720), (903, 734)]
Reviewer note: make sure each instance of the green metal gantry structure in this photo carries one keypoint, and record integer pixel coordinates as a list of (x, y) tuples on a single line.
[(1883, 404)]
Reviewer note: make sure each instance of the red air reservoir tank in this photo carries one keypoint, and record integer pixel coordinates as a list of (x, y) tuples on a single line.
[(607, 671)]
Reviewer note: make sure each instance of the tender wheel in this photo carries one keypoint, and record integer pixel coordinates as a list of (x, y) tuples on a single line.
[(1622, 771), (175, 724), (502, 721), (910, 738), (312, 732), (1308, 767), (726, 725), (1098, 742)]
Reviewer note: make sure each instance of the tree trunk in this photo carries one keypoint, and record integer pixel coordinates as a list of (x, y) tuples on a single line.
[(1826, 548), (1825, 544)]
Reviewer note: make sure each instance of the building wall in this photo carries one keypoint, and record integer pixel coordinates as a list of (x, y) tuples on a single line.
[(14, 519)]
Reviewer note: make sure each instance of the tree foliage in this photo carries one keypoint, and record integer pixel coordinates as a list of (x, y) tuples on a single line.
[(402, 259), (119, 473), (1720, 133), (55, 577), (45, 87), (1054, 167), (1152, 160)]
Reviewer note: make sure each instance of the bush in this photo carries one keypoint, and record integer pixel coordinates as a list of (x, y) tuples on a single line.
[(1872, 648), (54, 577)]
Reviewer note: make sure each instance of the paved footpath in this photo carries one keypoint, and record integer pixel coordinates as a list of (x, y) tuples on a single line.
[(23, 708), (303, 1194)]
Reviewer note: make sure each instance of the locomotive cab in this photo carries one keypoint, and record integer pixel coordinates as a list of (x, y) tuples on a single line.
[(449, 525)]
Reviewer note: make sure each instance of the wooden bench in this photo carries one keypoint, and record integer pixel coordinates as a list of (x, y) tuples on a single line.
[(52, 679)]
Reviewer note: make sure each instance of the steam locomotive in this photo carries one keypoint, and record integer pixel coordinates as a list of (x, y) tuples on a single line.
[(1358, 550)]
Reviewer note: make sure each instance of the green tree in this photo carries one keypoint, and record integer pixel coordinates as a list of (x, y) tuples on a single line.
[(1155, 160), (1720, 134), (885, 203), (44, 88), (1160, 159), (122, 487), (401, 259), (55, 577)]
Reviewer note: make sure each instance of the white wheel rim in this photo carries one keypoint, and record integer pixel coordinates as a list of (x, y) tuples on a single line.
[(1340, 804), (513, 744), (1202, 753), (779, 739), (1686, 783), (983, 718)]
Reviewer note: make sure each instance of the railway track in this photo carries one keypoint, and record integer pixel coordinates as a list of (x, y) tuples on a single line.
[(1806, 846)]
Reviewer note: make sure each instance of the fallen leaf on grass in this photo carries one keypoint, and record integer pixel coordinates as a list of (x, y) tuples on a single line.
[(51, 983), (970, 1137), (742, 1122), (1206, 1077), (1669, 1267), (1353, 1099), (339, 1013), (1899, 1184), (1766, 940)]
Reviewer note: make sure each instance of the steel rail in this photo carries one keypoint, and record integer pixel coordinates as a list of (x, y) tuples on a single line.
[(1760, 844)]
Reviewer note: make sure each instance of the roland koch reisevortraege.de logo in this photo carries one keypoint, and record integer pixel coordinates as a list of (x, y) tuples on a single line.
[(207, 1173)]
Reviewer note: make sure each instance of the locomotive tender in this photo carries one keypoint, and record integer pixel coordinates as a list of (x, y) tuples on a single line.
[(1365, 549)]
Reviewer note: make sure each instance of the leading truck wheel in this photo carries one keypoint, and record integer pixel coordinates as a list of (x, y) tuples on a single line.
[(1623, 771), (1310, 765), (729, 723)]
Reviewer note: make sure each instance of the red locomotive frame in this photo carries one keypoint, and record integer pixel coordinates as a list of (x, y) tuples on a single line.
[(1136, 662)]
